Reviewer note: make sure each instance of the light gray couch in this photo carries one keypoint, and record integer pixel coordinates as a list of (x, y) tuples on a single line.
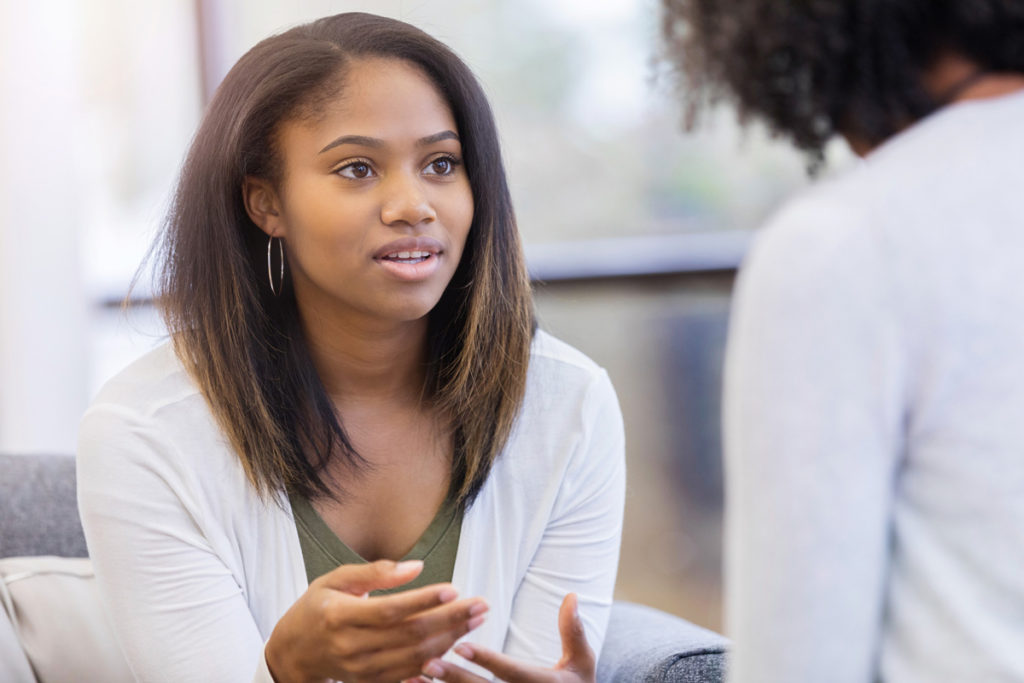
[(39, 516)]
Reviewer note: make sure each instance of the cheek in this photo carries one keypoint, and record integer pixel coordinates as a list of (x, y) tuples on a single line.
[(461, 217), (326, 250), (323, 229)]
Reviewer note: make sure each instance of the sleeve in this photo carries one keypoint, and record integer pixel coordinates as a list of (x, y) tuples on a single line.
[(813, 414), (579, 550), (177, 611)]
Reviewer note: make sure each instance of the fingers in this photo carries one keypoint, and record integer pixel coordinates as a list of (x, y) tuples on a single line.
[(577, 657), (576, 653), (450, 673), (504, 667), (459, 617), (408, 661), (391, 610), (359, 579), (392, 637), (400, 663)]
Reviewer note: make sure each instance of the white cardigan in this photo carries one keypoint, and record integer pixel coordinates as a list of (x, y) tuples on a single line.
[(195, 570), (874, 418)]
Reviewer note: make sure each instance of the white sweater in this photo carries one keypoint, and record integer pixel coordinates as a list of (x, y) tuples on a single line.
[(195, 571), (874, 418)]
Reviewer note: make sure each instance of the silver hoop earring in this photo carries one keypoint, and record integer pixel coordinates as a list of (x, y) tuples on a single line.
[(270, 269)]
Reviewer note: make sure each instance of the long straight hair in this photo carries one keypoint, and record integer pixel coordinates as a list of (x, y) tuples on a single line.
[(245, 347)]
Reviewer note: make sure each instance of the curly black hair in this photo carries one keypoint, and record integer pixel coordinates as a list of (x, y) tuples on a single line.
[(812, 68)]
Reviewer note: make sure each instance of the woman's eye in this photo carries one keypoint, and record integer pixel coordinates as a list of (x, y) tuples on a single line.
[(441, 166), (357, 170)]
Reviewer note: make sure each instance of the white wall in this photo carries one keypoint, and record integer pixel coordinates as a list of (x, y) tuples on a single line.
[(43, 346)]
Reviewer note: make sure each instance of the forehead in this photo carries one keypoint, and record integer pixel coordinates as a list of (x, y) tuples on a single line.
[(388, 99)]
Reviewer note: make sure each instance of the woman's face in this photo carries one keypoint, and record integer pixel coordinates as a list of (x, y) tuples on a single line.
[(375, 205)]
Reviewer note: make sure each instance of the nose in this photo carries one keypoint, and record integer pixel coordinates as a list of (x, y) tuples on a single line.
[(406, 202)]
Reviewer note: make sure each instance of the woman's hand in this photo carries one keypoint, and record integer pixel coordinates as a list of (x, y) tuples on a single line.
[(576, 665), (335, 631)]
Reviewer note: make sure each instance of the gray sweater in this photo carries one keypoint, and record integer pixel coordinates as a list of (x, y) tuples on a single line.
[(874, 417)]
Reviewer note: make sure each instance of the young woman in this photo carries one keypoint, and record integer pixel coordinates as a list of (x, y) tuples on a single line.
[(355, 422), (875, 372)]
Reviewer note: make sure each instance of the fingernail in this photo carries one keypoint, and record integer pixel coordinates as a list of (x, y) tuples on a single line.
[(447, 594), (433, 668), (474, 622), (464, 651), (478, 608), (408, 565)]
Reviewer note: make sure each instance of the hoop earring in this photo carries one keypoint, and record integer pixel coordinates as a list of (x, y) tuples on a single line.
[(270, 269)]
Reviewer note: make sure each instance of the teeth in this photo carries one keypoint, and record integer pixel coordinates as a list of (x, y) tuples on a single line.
[(406, 255)]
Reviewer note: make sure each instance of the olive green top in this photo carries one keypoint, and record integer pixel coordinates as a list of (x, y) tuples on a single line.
[(323, 551)]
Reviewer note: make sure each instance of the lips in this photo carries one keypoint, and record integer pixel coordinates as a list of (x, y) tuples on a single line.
[(410, 259), (409, 249), (409, 256)]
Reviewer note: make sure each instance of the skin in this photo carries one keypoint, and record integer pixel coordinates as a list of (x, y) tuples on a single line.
[(379, 166), (577, 662), (340, 203), (366, 328), (947, 71)]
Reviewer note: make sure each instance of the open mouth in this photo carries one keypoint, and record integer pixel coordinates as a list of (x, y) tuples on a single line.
[(408, 257), (411, 259)]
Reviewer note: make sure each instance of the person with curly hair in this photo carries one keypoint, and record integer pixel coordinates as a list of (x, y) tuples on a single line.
[(874, 387)]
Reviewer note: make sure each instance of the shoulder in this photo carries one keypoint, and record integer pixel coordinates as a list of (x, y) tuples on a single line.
[(560, 371), (569, 401), (546, 346), (825, 246), (148, 384), (819, 224), (551, 357), (569, 431), (920, 191), (151, 412)]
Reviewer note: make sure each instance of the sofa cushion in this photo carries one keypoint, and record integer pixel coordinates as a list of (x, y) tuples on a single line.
[(38, 510), (648, 645), (53, 604)]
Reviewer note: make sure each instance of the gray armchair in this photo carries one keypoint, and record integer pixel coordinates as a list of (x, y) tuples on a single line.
[(39, 516)]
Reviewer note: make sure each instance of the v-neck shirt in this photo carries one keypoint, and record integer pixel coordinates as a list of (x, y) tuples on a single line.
[(323, 551), (217, 564)]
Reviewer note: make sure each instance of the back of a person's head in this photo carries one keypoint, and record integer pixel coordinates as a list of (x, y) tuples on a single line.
[(812, 69)]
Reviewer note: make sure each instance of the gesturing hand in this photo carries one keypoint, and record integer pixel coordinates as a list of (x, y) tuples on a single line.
[(576, 665), (335, 631)]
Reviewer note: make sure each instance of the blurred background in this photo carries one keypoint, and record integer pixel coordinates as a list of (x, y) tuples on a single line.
[(633, 226)]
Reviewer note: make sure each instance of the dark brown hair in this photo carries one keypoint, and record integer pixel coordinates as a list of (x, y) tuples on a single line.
[(811, 69), (245, 347)]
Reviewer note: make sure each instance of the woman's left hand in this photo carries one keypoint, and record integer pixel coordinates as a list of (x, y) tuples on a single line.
[(576, 665)]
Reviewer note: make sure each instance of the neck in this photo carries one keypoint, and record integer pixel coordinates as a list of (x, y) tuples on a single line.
[(953, 78), (368, 360)]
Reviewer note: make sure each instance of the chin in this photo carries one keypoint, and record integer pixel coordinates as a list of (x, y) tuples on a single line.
[(409, 310)]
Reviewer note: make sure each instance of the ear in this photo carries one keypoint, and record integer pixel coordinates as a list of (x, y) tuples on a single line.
[(263, 205)]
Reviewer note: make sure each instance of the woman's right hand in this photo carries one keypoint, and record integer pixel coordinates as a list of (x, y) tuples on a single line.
[(335, 631)]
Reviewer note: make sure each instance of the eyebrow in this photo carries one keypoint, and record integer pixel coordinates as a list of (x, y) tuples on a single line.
[(364, 141)]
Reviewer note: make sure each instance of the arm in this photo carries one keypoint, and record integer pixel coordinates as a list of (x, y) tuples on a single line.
[(178, 611), (578, 554), (813, 416)]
